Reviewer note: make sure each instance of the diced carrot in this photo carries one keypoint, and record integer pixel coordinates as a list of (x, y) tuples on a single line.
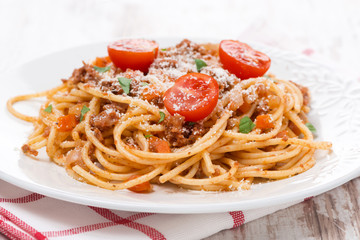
[(159, 145), (264, 122), (67, 123), (150, 92), (102, 61), (245, 107), (144, 187)]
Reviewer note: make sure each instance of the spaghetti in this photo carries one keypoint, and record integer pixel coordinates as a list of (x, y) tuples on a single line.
[(110, 128)]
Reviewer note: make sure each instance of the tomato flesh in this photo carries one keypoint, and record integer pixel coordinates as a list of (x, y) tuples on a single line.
[(67, 123), (102, 61), (136, 54), (242, 60), (193, 96), (144, 187)]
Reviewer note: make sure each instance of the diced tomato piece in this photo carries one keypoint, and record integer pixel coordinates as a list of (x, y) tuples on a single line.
[(144, 187), (67, 123), (264, 122), (102, 61), (150, 92), (159, 145)]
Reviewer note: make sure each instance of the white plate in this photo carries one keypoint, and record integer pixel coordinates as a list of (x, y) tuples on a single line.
[(335, 113)]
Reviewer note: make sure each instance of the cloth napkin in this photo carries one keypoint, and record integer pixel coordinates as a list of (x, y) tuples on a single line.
[(27, 215)]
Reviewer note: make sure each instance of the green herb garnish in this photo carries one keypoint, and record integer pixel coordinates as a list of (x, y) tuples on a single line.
[(163, 49), (246, 125), (102, 69), (162, 116), (200, 64), (191, 123), (84, 110), (144, 84), (310, 127), (125, 84), (48, 109), (148, 136)]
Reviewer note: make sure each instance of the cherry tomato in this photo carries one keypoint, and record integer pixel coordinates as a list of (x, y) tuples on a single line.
[(67, 123), (193, 96), (136, 54), (242, 60), (144, 187)]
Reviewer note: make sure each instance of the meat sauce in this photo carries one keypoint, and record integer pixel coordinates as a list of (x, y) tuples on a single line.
[(170, 64)]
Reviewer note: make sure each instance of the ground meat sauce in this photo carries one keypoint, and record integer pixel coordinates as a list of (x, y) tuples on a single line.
[(180, 133), (109, 116), (170, 64), (85, 74)]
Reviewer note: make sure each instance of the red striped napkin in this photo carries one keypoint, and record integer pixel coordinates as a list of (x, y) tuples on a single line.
[(27, 215)]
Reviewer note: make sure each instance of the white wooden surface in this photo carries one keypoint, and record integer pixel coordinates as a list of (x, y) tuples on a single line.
[(328, 30)]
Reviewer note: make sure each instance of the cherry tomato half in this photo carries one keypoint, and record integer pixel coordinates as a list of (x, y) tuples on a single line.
[(242, 60), (136, 54), (193, 96)]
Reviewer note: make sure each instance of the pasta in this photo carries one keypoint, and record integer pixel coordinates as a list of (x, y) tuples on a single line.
[(111, 128)]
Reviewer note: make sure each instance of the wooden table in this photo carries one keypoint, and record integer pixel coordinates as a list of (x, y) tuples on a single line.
[(328, 31)]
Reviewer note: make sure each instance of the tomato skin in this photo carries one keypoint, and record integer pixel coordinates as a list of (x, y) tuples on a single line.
[(242, 60), (144, 187), (67, 123), (193, 96), (136, 54)]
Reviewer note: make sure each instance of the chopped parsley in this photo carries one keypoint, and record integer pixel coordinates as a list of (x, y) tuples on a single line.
[(191, 123), (125, 84), (144, 84), (163, 49), (246, 125), (48, 109), (148, 136), (102, 69), (200, 64), (84, 110), (162, 116), (310, 127)]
